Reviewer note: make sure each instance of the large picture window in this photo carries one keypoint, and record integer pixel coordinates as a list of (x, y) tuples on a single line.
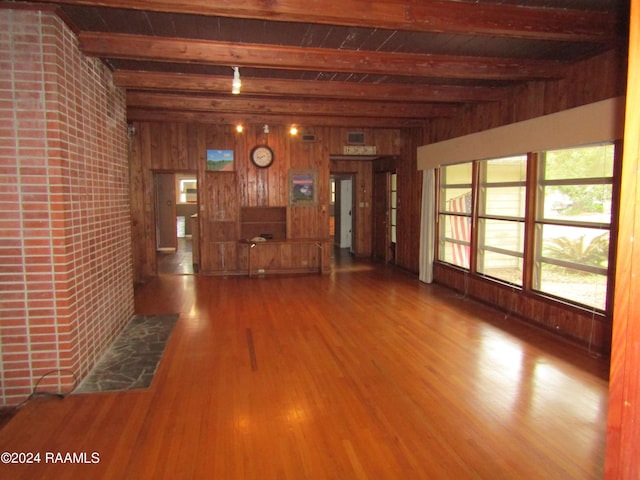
[(541, 222), (573, 223)]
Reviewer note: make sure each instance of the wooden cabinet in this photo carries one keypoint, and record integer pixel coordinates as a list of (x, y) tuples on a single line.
[(282, 256), (268, 222), (278, 254)]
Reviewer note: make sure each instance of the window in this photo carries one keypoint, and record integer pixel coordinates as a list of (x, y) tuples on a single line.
[(501, 215), (573, 223), (551, 236), (187, 189), (332, 198), (455, 214)]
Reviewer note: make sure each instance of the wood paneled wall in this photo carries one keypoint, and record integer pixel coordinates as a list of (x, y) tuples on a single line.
[(172, 146), (623, 434), (587, 329), (177, 146), (387, 141), (589, 81), (409, 190), (154, 147)]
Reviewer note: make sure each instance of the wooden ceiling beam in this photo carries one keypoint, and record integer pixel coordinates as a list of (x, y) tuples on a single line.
[(440, 16), (143, 47), (224, 118), (180, 82), (282, 106)]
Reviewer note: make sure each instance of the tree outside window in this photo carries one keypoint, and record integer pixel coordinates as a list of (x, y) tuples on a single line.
[(573, 224), (568, 225)]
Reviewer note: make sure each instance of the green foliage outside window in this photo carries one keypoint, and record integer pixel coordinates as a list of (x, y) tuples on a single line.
[(581, 163), (594, 252)]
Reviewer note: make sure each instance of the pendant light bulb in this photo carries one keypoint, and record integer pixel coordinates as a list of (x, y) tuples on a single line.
[(237, 83)]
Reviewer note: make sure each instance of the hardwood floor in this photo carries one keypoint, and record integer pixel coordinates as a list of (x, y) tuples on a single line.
[(364, 373)]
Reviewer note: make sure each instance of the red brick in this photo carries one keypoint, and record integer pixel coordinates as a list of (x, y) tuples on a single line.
[(60, 219)]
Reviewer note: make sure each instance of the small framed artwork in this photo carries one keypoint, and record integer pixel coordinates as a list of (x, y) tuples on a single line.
[(303, 188), (220, 160)]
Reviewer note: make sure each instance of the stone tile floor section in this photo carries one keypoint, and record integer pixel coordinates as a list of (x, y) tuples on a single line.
[(178, 262), (132, 360)]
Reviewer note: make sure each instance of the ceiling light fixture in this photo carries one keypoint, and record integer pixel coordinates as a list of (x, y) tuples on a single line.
[(237, 83)]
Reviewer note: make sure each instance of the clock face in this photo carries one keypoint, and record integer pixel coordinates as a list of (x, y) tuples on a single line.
[(262, 156)]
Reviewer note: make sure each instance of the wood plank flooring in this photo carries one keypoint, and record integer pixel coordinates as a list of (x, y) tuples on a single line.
[(364, 373)]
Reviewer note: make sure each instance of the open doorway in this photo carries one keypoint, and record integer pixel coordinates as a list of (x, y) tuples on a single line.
[(385, 205), (342, 212), (177, 236)]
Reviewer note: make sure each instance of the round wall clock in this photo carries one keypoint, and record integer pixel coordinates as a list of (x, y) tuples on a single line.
[(262, 156)]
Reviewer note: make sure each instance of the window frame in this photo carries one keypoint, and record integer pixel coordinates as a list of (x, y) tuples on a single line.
[(531, 245), (482, 186), (442, 212), (540, 221)]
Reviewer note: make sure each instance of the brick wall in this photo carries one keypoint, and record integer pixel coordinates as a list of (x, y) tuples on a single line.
[(66, 282)]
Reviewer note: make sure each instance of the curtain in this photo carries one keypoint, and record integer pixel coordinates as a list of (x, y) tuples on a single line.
[(427, 226)]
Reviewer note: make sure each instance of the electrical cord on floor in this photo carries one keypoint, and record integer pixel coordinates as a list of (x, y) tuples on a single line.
[(35, 393)]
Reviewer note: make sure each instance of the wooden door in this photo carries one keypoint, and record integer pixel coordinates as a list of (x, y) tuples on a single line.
[(381, 198), (166, 236), (337, 213)]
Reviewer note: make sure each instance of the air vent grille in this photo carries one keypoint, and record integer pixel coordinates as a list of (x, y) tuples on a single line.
[(355, 138), (308, 137)]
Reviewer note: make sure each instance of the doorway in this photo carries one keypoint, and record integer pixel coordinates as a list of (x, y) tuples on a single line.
[(343, 212), (176, 202), (385, 216)]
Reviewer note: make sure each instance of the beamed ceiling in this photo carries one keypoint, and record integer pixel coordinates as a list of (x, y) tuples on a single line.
[(335, 62)]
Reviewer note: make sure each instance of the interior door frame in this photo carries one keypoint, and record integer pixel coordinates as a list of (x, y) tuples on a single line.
[(158, 179), (338, 209), (346, 208), (382, 252), (173, 173)]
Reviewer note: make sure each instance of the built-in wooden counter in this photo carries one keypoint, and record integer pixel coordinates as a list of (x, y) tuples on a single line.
[(305, 255)]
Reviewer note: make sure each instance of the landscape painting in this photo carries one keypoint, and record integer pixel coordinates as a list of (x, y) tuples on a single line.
[(220, 160), (302, 187)]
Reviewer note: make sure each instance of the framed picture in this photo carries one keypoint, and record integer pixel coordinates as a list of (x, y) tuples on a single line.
[(220, 160), (303, 188)]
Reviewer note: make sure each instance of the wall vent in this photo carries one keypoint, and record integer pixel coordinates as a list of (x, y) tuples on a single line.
[(355, 138), (308, 137)]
